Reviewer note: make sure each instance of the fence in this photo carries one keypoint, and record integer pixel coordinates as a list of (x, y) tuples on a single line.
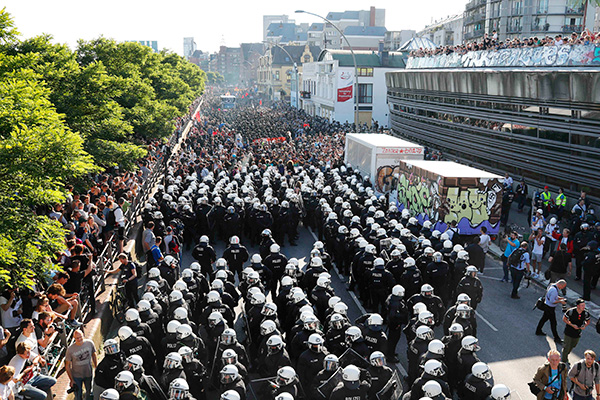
[(55, 352)]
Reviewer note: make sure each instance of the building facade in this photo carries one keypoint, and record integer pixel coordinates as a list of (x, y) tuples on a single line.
[(228, 61), (447, 32), (189, 47), (153, 44), (539, 123), (521, 18), (392, 40), (327, 85), (277, 71)]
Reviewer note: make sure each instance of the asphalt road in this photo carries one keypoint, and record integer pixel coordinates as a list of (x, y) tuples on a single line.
[(505, 326)]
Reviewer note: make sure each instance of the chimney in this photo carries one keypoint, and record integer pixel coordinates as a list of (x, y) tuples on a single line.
[(372, 16)]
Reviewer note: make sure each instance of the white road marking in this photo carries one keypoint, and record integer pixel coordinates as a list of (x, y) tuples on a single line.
[(488, 323)]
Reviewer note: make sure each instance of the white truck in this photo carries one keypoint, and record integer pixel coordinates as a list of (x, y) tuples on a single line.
[(378, 156)]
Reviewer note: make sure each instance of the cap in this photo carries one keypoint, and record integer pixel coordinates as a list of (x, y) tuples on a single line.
[(545, 187)]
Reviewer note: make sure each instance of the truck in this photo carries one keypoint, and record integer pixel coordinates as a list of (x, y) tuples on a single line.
[(445, 191), (377, 157)]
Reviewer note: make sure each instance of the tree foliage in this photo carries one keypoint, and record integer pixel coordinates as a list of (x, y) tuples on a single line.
[(66, 113)]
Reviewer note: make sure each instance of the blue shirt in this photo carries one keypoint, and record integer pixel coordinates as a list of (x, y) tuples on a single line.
[(556, 384), (552, 296), (510, 248), (156, 253)]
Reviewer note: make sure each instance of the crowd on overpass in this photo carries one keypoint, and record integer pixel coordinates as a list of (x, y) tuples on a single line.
[(491, 42), (236, 325)]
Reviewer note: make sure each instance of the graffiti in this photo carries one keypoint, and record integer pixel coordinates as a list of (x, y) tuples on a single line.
[(550, 56), (419, 195), (385, 177)]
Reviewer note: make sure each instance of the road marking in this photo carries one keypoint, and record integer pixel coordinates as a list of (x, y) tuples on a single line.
[(489, 277), (488, 323)]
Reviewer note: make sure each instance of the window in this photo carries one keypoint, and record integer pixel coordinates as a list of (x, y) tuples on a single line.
[(542, 7), (365, 93), (276, 75), (365, 71), (306, 58)]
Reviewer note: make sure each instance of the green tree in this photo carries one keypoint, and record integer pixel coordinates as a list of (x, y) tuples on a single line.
[(38, 153)]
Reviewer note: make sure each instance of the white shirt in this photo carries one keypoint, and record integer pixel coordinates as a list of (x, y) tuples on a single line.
[(508, 181), (8, 320), (549, 229), (484, 242), (32, 340), (538, 248), (6, 390), (119, 217)]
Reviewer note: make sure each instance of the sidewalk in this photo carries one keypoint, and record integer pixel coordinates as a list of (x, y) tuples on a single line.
[(574, 288)]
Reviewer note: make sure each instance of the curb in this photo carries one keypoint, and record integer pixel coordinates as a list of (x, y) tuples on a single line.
[(572, 296)]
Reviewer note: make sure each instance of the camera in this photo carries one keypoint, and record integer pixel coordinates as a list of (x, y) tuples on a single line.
[(71, 389), (57, 328)]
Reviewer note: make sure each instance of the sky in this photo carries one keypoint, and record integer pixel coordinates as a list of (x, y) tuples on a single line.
[(212, 23)]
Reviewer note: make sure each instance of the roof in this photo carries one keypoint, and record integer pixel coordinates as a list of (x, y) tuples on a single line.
[(379, 140), (249, 48), (336, 16), (363, 58), (281, 58), (451, 169), (365, 31), (289, 32), (316, 26), (417, 43)]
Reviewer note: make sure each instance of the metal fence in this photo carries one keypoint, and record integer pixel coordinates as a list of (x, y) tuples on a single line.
[(56, 350)]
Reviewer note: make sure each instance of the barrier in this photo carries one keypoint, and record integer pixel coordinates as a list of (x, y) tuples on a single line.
[(547, 56), (56, 350)]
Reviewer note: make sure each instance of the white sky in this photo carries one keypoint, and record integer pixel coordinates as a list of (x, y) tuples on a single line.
[(211, 22)]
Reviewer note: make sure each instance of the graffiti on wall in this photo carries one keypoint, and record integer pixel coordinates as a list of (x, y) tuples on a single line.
[(548, 56), (471, 202)]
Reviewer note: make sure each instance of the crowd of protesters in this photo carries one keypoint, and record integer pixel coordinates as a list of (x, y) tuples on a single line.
[(491, 42)]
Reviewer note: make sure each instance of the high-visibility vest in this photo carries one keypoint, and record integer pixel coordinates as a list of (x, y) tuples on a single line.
[(546, 197), (561, 200)]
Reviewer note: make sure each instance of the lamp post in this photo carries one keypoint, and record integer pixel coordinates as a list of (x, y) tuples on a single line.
[(295, 66), (353, 60)]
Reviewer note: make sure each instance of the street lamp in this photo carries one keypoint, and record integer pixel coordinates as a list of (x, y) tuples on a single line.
[(295, 66), (353, 59)]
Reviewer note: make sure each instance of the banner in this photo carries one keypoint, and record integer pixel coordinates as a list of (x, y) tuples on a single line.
[(280, 139), (548, 56), (345, 84)]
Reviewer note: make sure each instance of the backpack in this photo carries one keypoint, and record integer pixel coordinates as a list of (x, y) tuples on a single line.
[(595, 367), (110, 218), (515, 257)]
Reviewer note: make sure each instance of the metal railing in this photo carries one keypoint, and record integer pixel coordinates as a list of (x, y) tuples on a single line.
[(56, 349), (572, 28)]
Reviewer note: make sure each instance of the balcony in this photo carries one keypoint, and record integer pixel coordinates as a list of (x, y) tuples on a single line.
[(478, 33), (474, 18), (514, 29), (572, 28), (540, 27), (474, 4), (574, 10)]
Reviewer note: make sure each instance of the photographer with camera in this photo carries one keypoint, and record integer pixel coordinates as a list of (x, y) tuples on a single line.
[(551, 378), (585, 375)]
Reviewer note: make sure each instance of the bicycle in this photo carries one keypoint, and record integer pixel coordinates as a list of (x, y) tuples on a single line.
[(118, 303)]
